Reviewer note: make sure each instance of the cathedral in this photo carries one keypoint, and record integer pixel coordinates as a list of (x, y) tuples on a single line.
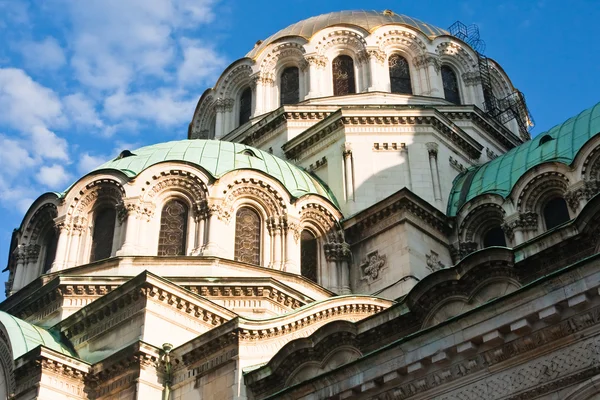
[(358, 212)]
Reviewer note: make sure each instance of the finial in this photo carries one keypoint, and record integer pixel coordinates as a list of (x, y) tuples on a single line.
[(388, 12)]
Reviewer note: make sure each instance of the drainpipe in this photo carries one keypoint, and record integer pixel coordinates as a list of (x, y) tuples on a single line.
[(167, 347)]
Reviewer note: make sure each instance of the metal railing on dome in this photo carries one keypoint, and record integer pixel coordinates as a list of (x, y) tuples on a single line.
[(512, 106)]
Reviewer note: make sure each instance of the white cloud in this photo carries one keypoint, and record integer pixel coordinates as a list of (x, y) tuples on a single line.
[(200, 63), (46, 54), (117, 41), (81, 110), (165, 107), (15, 158), (88, 162), (25, 103), (53, 176), (46, 144)]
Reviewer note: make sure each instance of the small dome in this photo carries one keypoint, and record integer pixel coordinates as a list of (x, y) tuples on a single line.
[(367, 20), (218, 158), (499, 176)]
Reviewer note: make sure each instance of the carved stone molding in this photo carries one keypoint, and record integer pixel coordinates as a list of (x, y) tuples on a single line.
[(575, 195), (432, 149), (433, 261), (371, 267), (454, 163)]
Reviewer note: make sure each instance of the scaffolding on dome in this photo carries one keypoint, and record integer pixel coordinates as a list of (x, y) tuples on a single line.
[(504, 109)]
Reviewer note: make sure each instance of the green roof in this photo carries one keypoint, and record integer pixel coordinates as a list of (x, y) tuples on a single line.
[(366, 19), (218, 158), (25, 337), (560, 144)]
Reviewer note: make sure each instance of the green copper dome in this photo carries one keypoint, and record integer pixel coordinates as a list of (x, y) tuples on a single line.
[(365, 19), (218, 158), (25, 337), (559, 144)]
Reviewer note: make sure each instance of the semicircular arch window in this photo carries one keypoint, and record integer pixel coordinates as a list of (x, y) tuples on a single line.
[(247, 236), (104, 232), (399, 75), (173, 228), (50, 244), (309, 255), (245, 106), (343, 76), (556, 212), (450, 82), (494, 237), (289, 86)]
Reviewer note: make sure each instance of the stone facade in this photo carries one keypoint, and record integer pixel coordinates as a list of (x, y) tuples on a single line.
[(347, 272)]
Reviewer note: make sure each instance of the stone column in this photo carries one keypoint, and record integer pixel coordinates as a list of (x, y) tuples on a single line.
[(258, 90), (275, 230), (19, 268), (435, 80), (200, 217), (129, 213), (78, 229), (376, 71), (432, 149), (292, 248), (32, 256), (420, 63), (219, 122), (62, 245), (406, 166), (215, 232), (316, 64), (348, 171)]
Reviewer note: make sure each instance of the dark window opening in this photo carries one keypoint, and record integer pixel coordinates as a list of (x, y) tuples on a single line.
[(343, 76), (399, 75), (104, 231), (450, 82), (173, 229), (245, 106), (308, 255), (556, 212), (50, 243), (247, 236), (290, 86), (494, 237), (545, 139)]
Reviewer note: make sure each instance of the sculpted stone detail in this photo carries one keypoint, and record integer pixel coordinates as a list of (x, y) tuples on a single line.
[(454, 163), (372, 266), (102, 190), (540, 185), (337, 251), (490, 153), (426, 60), (480, 219), (432, 149), (342, 38), (42, 216), (574, 196), (433, 261), (395, 38), (318, 61), (256, 189), (471, 78), (458, 53)]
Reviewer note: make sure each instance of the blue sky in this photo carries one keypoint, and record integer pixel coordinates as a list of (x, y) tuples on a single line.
[(82, 80)]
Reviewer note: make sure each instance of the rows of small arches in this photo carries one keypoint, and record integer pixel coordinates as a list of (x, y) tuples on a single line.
[(344, 82), (544, 199), (108, 230)]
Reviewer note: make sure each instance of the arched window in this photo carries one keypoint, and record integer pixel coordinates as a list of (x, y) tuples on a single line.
[(245, 106), (308, 255), (450, 81), (50, 242), (343, 76), (494, 237), (247, 236), (556, 212), (399, 75), (290, 86), (104, 231), (173, 228)]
